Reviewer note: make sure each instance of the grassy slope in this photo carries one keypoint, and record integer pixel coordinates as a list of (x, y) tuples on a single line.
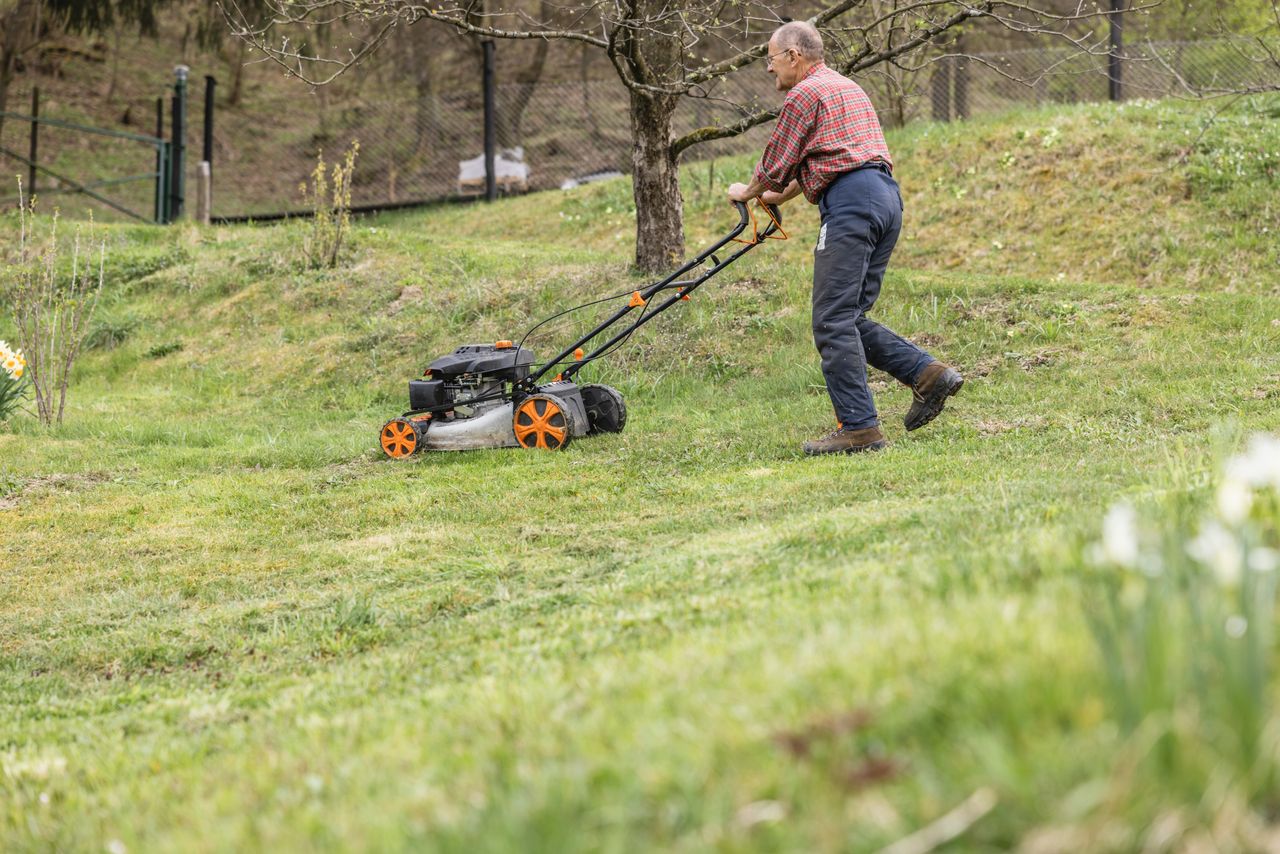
[(227, 623)]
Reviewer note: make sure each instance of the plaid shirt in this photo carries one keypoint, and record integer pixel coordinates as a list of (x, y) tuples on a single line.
[(827, 127)]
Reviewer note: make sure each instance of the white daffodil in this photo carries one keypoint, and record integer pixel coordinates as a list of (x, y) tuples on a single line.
[(1262, 461), (1235, 498), (1218, 550), (1263, 559), (1120, 535)]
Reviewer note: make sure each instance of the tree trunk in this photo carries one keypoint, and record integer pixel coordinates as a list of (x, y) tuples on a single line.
[(960, 75), (426, 78), (511, 114), (237, 74), (6, 78), (940, 90), (655, 178), (19, 32)]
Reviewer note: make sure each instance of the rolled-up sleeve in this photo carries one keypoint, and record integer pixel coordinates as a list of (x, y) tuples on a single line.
[(785, 149)]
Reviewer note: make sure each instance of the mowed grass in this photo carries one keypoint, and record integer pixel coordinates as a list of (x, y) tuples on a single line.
[(229, 624)]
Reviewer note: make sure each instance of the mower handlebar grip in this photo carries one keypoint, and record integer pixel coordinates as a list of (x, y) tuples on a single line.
[(744, 217)]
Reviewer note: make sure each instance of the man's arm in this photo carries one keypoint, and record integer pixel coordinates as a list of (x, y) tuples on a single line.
[(747, 192), (788, 193), (781, 157)]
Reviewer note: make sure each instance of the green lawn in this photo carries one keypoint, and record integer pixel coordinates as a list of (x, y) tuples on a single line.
[(227, 623)]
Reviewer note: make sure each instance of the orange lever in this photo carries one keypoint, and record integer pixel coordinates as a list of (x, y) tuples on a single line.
[(755, 229)]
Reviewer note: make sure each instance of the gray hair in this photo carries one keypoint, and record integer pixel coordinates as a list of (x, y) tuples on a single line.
[(802, 37)]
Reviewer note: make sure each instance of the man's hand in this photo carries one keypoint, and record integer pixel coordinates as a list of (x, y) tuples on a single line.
[(740, 193)]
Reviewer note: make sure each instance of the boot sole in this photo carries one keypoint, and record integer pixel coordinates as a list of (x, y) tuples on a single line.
[(857, 449), (936, 400)]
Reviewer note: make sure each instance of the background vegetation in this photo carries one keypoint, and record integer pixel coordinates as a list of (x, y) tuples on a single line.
[(228, 623)]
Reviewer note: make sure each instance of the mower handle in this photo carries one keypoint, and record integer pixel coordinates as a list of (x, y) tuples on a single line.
[(744, 217)]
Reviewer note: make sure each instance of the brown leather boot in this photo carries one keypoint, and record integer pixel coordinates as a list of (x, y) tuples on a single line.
[(935, 384), (842, 441)]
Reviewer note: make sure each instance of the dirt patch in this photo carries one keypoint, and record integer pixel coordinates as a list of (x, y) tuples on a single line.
[(834, 745), (998, 310), (996, 426), (800, 742), (408, 295), (42, 486)]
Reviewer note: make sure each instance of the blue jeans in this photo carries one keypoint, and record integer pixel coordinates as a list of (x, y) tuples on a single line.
[(861, 217)]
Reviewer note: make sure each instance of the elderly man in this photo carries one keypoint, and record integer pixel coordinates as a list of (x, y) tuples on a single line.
[(828, 144)]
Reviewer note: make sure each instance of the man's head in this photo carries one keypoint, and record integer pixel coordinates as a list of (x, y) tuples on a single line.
[(794, 48)]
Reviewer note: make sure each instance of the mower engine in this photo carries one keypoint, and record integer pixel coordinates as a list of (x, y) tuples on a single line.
[(479, 396)]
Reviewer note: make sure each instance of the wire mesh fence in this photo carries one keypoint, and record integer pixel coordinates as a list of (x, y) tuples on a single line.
[(420, 146)]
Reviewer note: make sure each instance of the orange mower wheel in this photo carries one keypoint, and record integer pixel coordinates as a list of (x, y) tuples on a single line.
[(541, 422), (400, 438)]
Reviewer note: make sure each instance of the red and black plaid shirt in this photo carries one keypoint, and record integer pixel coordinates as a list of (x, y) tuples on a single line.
[(827, 127)]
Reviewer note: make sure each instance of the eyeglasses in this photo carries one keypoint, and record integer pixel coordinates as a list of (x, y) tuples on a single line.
[(768, 60)]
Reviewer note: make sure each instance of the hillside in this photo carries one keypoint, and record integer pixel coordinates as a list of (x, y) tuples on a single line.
[(230, 624)]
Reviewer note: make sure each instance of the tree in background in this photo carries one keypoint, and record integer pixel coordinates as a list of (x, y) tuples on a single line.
[(26, 24), (21, 29), (661, 51)]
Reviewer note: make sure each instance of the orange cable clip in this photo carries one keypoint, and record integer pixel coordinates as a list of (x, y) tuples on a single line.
[(636, 300)]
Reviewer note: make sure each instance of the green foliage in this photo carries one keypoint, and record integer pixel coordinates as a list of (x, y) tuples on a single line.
[(230, 624), (159, 351), (110, 332), (1182, 606)]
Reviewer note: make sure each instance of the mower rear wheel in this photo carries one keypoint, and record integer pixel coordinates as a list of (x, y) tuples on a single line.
[(606, 411), (400, 438), (540, 421)]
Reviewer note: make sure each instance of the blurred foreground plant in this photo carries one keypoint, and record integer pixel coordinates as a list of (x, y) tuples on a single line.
[(1186, 627), (51, 306), (329, 198)]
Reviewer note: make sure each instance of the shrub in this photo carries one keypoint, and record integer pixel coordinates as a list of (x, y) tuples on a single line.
[(52, 303), (329, 198)]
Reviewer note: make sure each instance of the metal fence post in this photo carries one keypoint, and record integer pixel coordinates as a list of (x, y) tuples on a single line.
[(178, 148), (206, 161), (1117, 46), (162, 165), (490, 134), (35, 142)]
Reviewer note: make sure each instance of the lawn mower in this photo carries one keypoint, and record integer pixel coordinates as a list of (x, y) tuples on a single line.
[(496, 395)]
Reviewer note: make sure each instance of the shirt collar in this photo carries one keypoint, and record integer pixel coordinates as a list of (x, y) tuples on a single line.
[(814, 68)]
